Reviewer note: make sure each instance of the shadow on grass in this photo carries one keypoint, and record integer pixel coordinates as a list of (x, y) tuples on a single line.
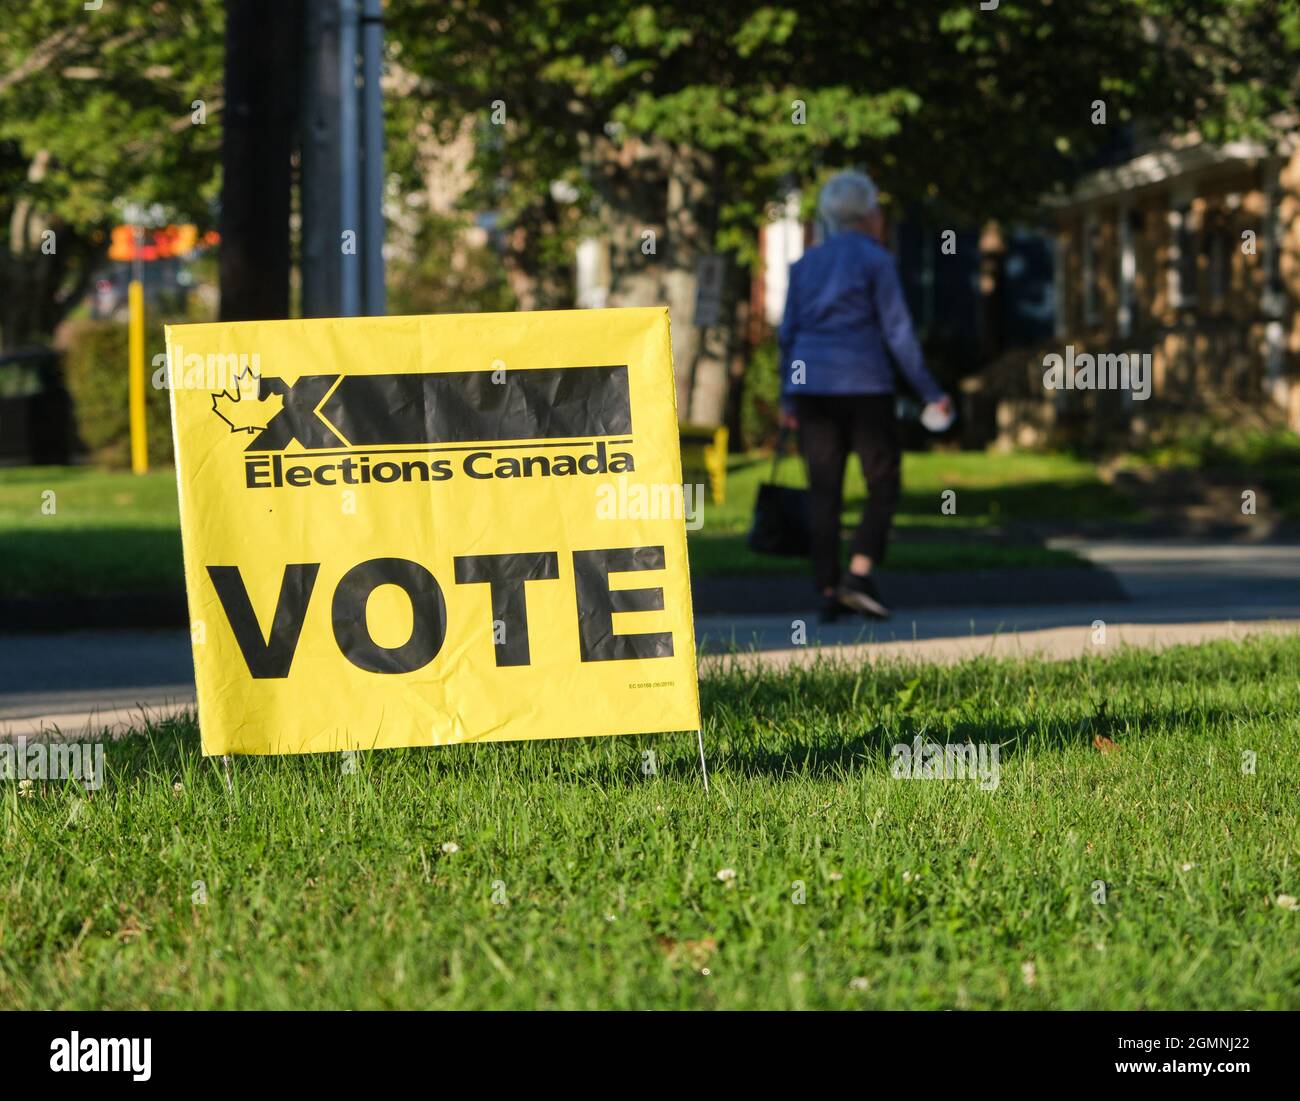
[(804, 722), (779, 747), (1033, 502), (730, 556), (1043, 499), (840, 755), (826, 721), (72, 561)]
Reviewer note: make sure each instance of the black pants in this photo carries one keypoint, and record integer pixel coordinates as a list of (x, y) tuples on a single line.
[(829, 428)]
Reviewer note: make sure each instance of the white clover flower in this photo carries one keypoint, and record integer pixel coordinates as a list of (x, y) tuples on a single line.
[(726, 874), (450, 847)]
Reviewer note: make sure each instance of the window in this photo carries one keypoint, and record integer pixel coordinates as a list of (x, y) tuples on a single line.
[(1274, 298), (1181, 267), (1142, 265), (1127, 281), (1091, 250), (1185, 261), (1060, 298), (1217, 264)]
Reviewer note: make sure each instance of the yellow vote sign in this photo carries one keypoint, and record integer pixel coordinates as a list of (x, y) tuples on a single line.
[(425, 530)]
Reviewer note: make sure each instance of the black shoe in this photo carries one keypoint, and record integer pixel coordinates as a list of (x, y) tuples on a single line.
[(831, 610), (861, 595)]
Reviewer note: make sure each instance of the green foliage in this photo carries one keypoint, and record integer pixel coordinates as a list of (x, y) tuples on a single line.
[(1256, 449), (96, 365), (760, 404), (447, 273), (1221, 442), (108, 95), (1245, 446), (96, 113), (1241, 57), (977, 112)]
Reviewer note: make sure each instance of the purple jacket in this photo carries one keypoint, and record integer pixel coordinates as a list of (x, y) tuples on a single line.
[(844, 314)]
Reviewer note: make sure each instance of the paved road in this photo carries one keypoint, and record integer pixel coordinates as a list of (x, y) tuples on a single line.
[(1180, 581), (69, 680), (117, 677)]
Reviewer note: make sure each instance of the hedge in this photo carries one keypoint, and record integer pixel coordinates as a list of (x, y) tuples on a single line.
[(96, 365), (760, 401)]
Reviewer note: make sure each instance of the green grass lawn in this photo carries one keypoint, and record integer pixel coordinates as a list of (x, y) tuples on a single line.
[(113, 532), (576, 881), (109, 532), (991, 489)]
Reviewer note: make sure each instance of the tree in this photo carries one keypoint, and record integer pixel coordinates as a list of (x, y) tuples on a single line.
[(97, 109), (686, 120), (681, 120)]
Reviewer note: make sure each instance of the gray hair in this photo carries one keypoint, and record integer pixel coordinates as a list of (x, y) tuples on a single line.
[(846, 199)]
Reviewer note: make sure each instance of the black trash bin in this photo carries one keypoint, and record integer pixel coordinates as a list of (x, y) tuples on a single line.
[(36, 425)]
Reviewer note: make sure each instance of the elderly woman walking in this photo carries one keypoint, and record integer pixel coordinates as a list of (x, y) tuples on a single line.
[(844, 316)]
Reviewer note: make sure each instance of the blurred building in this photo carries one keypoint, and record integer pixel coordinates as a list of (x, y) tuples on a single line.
[(1183, 250)]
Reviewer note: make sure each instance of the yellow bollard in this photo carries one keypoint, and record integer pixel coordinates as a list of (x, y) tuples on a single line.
[(715, 462), (135, 369)]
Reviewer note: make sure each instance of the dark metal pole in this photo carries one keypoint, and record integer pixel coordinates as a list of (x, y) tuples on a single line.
[(322, 242), (257, 141), (350, 157), (372, 239)]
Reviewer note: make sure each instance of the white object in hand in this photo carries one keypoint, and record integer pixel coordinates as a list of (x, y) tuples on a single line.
[(936, 418)]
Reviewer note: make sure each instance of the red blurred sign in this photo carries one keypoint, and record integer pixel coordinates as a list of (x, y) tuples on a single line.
[(157, 244)]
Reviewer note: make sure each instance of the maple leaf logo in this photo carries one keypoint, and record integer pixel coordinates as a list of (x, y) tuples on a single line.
[(243, 410)]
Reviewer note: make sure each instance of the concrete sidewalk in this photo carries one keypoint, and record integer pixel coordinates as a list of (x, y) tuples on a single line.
[(1180, 592), (1167, 582), (1052, 644)]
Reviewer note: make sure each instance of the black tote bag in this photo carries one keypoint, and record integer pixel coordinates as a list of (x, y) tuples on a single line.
[(781, 515)]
